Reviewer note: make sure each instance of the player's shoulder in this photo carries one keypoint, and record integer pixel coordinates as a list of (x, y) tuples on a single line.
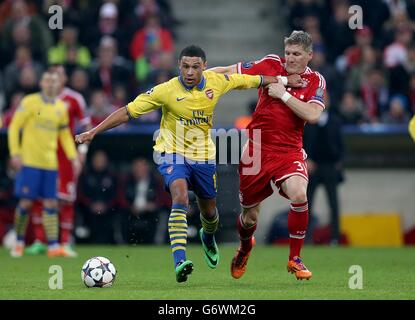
[(71, 94), (61, 105), (60, 102), (316, 77), (209, 74), (161, 87), (214, 76), (271, 58), (168, 84), (31, 99)]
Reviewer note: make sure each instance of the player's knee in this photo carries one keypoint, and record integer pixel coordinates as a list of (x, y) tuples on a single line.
[(181, 199), (50, 203), (25, 204), (250, 217), (250, 221), (299, 196), (209, 213)]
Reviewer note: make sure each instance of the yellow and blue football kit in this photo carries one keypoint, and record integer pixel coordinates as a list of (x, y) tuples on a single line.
[(184, 148), (41, 123)]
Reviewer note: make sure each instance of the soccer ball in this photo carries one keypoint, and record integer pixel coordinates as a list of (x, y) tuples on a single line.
[(98, 272)]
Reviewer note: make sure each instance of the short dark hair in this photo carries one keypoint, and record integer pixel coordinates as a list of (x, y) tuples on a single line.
[(300, 38), (193, 51)]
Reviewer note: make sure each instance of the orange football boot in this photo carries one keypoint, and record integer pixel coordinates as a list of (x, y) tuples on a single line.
[(17, 250), (239, 261), (55, 252), (297, 267)]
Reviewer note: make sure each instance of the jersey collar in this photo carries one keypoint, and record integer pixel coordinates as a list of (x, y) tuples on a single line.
[(46, 99), (199, 87)]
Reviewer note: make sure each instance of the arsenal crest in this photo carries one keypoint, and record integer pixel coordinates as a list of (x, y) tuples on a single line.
[(209, 93)]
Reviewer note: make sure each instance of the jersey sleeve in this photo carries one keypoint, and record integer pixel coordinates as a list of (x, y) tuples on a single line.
[(148, 101), (84, 120), (80, 107), (68, 143), (64, 120), (317, 91), (268, 65), (239, 81), (66, 137), (18, 121)]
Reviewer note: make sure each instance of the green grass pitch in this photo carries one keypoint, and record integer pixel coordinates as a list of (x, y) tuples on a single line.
[(146, 272)]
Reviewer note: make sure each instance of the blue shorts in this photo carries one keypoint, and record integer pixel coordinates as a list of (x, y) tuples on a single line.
[(33, 183), (200, 176)]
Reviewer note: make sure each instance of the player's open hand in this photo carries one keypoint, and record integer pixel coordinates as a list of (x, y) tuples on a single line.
[(276, 90), (16, 163), (84, 137), (295, 81)]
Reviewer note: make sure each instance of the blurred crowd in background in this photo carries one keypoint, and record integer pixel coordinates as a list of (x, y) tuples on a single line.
[(370, 72), (114, 50), (111, 50)]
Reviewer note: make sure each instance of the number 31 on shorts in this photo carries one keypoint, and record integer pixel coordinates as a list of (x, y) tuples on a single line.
[(300, 166)]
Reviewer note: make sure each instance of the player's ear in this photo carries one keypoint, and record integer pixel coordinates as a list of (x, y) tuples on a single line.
[(205, 65)]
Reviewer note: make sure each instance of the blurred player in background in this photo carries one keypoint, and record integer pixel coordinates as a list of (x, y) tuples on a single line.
[(280, 116), (43, 119), (184, 149), (412, 128), (75, 105)]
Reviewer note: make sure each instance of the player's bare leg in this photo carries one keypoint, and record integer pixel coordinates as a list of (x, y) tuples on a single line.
[(295, 187), (210, 221), (246, 225)]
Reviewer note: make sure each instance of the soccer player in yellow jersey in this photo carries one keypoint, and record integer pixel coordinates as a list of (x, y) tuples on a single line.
[(412, 128), (42, 118), (184, 150)]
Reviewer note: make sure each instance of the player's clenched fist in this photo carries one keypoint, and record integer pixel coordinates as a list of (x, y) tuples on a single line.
[(84, 137), (276, 90), (295, 81)]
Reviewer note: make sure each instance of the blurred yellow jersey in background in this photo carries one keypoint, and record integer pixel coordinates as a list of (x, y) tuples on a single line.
[(412, 128), (42, 122)]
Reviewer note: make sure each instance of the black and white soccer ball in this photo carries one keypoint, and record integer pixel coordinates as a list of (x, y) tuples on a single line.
[(98, 272)]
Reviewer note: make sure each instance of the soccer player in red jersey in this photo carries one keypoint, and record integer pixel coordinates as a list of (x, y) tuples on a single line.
[(273, 153), (76, 105)]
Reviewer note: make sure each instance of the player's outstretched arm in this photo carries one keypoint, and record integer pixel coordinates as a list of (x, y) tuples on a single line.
[(113, 120), (225, 70), (293, 80), (267, 80)]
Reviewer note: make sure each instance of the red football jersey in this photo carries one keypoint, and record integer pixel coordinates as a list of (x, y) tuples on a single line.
[(76, 108), (281, 129)]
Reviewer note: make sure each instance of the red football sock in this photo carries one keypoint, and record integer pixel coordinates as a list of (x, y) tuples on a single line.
[(66, 222), (297, 226), (37, 222), (245, 234)]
